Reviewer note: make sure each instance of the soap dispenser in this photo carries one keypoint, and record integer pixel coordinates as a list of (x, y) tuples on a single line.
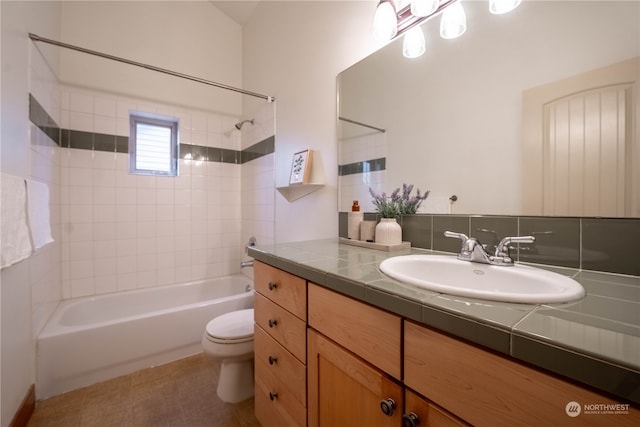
[(353, 224)]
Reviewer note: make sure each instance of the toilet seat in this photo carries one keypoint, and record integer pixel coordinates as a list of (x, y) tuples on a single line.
[(231, 328)]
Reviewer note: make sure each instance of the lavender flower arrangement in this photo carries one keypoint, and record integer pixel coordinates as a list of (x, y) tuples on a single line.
[(398, 203), (387, 206), (408, 204)]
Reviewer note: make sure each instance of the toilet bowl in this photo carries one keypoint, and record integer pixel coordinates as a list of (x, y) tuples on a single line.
[(229, 338)]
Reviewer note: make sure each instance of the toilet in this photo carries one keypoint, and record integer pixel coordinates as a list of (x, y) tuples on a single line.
[(229, 338)]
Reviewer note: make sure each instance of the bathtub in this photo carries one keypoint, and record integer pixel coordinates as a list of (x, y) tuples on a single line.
[(92, 339)]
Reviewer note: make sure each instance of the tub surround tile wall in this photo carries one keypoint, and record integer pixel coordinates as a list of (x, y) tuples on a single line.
[(123, 231), (364, 166), (597, 244)]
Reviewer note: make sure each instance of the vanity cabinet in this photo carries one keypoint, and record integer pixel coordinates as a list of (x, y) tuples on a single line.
[(354, 362), (355, 368), (344, 390), (280, 347), (419, 412), (323, 359), (485, 388)]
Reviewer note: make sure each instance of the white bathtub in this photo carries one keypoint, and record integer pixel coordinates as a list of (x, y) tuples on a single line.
[(88, 340)]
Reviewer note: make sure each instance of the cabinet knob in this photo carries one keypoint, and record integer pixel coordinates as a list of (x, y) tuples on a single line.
[(272, 360), (272, 323), (273, 395), (272, 286), (388, 405), (410, 420)]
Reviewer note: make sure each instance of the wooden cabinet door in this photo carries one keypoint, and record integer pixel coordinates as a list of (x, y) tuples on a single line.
[(420, 412), (344, 390)]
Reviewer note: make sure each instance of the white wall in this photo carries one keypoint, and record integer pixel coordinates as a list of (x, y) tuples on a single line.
[(190, 37), (294, 51), (33, 284)]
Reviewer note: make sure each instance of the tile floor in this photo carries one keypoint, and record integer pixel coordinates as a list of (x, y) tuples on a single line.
[(178, 394)]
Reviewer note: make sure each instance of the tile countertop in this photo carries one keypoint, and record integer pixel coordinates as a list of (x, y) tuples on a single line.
[(595, 341)]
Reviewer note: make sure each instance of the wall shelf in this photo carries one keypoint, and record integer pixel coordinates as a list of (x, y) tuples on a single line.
[(295, 192)]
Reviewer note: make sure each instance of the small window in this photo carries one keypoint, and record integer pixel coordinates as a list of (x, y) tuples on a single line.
[(153, 144)]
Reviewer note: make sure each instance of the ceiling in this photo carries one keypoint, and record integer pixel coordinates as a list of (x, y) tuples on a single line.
[(238, 10)]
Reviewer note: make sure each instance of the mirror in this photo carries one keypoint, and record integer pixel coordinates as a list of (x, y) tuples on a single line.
[(451, 121)]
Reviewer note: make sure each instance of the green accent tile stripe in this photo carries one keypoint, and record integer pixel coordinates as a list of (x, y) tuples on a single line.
[(365, 166), (39, 117), (69, 138)]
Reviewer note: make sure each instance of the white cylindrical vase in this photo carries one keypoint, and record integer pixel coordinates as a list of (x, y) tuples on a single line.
[(388, 232)]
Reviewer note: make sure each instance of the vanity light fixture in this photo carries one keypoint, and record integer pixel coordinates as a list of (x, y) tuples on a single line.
[(413, 44), (453, 22), (498, 7), (396, 17), (385, 21), (424, 8)]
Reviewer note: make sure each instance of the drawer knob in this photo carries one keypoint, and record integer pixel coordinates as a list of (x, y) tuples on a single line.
[(272, 286), (272, 323), (388, 405), (273, 395), (272, 360), (410, 420)]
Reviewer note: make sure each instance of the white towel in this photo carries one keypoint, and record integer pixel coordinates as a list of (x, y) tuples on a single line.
[(15, 244), (39, 213)]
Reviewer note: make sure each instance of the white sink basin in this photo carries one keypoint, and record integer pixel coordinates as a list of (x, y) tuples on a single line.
[(449, 275)]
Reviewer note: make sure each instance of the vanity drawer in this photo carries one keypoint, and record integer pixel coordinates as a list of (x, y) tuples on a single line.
[(371, 333), (275, 406), (275, 359), (283, 288), (283, 326), (484, 388)]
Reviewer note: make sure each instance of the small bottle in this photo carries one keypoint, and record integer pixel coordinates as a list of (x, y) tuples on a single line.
[(354, 220)]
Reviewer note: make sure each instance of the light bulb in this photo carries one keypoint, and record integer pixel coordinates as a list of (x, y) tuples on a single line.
[(454, 22), (498, 7), (385, 21), (413, 44), (424, 7)]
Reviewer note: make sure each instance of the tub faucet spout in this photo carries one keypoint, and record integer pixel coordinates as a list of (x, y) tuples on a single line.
[(244, 264)]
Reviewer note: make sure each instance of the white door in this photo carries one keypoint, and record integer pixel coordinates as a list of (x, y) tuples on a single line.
[(581, 151), (586, 148)]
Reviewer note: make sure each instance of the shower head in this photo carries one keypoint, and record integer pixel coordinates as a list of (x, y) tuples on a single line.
[(239, 125)]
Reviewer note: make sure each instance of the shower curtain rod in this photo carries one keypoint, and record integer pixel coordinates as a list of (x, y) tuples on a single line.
[(37, 38)]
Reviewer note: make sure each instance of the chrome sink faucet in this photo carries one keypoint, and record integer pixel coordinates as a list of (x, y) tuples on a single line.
[(472, 250)]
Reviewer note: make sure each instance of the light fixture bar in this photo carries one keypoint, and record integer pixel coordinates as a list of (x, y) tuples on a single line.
[(406, 20)]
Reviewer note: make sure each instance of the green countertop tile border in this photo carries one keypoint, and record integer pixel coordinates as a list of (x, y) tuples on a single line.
[(541, 335)]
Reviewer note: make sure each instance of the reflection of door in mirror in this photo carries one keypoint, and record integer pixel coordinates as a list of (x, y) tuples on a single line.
[(580, 146)]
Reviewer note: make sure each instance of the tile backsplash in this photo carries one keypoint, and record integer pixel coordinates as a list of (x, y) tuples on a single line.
[(598, 244)]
